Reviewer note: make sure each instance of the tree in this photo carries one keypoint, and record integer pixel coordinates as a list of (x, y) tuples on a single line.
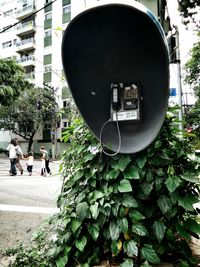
[(32, 108), (12, 81), (189, 10), (192, 78)]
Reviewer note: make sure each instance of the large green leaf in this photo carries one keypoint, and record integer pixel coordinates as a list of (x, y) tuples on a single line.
[(112, 174), (158, 144), (75, 224), (82, 210), (131, 248), (94, 210), (80, 244), (123, 223), (149, 254), (135, 215), (114, 229), (139, 229), (97, 195), (124, 186), (187, 202), (164, 204), (129, 201), (149, 176), (159, 230), (190, 177), (61, 261), (114, 247), (127, 263), (131, 173), (115, 208), (192, 225), (93, 229), (147, 188), (123, 162), (141, 161), (78, 175), (172, 183), (182, 231)]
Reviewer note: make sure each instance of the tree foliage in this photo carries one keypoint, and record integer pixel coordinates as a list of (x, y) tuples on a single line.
[(30, 110), (192, 78), (12, 81), (189, 11)]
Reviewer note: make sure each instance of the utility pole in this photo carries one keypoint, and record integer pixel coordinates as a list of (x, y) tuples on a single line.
[(53, 127), (179, 81)]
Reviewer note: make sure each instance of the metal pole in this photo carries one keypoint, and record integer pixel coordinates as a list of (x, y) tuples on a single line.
[(179, 83)]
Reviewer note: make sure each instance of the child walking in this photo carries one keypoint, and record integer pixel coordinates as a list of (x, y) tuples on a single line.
[(30, 159), (43, 167)]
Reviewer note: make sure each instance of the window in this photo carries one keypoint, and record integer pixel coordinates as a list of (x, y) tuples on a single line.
[(66, 17), (47, 68), (47, 126), (48, 16), (66, 2), (65, 124), (48, 20), (48, 33), (65, 104), (48, 1), (66, 9), (47, 59), (7, 44)]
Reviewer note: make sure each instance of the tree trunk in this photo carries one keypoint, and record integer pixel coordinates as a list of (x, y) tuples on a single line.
[(30, 143)]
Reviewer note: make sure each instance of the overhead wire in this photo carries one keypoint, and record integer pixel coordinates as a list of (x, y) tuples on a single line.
[(24, 51), (22, 20)]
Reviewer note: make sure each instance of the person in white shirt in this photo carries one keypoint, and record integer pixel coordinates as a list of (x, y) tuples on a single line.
[(19, 156), (12, 156), (30, 159)]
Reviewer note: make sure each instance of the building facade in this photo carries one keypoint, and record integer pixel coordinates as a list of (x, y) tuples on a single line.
[(31, 31)]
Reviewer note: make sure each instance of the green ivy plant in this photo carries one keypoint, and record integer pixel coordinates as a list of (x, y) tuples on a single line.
[(130, 210)]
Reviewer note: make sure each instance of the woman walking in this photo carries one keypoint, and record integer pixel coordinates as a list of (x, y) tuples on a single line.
[(12, 156), (45, 156)]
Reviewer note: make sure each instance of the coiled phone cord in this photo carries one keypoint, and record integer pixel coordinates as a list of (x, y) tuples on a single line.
[(119, 137)]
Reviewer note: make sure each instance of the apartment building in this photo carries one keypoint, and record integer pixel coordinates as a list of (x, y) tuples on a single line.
[(31, 31)]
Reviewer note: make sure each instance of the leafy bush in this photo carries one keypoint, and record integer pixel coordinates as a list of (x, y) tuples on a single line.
[(133, 210), (129, 210)]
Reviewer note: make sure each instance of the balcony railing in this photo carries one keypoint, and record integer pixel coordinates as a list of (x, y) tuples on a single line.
[(28, 60), (26, 44), (25, 28), (28, 10)]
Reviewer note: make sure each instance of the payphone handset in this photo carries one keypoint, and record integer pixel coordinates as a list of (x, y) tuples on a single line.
[(125, 102)]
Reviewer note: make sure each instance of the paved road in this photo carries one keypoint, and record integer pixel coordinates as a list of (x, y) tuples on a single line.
[(25, 201), (25, 190)]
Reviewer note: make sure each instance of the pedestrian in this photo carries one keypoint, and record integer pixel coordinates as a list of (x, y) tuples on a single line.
[(30, 160), (19, 156), (12, 156), (45, 157), (43, 169)]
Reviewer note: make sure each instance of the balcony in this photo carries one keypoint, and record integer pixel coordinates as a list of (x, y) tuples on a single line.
[(30, 76), (26, 11), (26, 61), (26, 44), (26, 28)]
